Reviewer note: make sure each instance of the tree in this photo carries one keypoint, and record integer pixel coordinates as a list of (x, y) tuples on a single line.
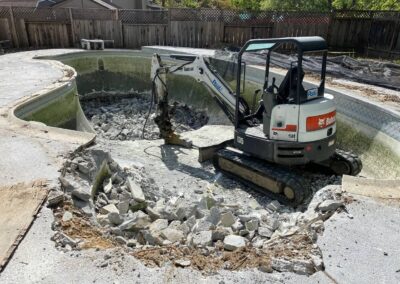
[(392, 5), (246, 4), (293, 5), (287, 5)]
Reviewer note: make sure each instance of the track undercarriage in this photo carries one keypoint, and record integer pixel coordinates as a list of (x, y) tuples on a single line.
[(279, 182)]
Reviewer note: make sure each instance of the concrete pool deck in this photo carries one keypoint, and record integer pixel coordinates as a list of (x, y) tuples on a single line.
[(357, 248)]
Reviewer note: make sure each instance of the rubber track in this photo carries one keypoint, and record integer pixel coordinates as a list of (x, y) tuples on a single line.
[(283, 176), (352, 159)]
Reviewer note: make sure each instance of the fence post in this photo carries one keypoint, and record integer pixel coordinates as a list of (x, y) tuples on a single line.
[(14, 30), (168, 41), (332, 15), (222, 27), (396, 33), (371, 19), (121, 31), (71, 19), (116, 14)]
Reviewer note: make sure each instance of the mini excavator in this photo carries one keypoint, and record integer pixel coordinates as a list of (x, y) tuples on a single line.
[(291, 126)]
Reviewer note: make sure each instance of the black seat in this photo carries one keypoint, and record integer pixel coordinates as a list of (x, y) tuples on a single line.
[(287, 89)]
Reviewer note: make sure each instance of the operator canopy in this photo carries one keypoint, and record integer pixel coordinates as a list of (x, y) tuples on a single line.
[(307, 43)]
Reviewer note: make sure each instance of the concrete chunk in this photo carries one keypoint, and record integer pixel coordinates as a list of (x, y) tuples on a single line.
[(274, 205), (185, 211), (115, 218), (207, 202), (54, 198), (251, 225), (237, 226), (82, 193), (233, 242), (214, 216), (108, 209), (227, 219), (265, 232), (151, 237), (121, 240), (202, 225), (330, 205), (220, 233), (159, 225), (202, 239), (123, 207), (139, 221), (269, 221), (136, 190), (85, 206), (172, 235), (107, 186), (303, 267), (67, 216), (182, 262), (281, 265), (153, 213)]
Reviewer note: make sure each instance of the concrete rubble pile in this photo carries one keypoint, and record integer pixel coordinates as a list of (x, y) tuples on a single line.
[(137, 214), (123, 119)]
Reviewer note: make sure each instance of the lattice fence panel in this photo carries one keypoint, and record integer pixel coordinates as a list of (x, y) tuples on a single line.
[(386, 15), (94, 14), (247, 18), (184, 15), (143, 17), (301, 18), (31, 14), (4, 12), (353, 14)]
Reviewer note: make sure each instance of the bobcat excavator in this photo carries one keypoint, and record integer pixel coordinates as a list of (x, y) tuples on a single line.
[(292, 126)]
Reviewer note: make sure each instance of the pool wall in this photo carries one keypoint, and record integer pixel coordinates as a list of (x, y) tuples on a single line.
[(363, 127)]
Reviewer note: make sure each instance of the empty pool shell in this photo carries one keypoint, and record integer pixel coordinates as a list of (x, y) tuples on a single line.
[(364, 127)]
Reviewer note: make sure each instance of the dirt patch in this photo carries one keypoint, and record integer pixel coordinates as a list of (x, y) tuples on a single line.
[(298, 246), (80, 228)]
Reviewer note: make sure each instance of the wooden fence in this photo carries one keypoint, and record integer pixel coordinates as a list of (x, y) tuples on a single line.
[(366, 32)]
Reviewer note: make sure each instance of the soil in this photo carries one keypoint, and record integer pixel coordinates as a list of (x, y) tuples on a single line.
[(79, 227), (297, 246)]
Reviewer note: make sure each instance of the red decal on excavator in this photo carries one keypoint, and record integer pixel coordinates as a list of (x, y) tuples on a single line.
[(321, 121), (288, 127)]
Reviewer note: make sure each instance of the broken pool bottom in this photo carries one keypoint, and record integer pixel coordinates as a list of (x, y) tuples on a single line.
[(105, 205)]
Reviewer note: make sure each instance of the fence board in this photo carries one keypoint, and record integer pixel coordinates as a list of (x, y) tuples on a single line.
[(136, 36), (48, 35), (204, 28), (20, 26), (101, 29), (5, 31)]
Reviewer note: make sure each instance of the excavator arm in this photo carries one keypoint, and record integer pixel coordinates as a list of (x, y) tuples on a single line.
[(198, 67)]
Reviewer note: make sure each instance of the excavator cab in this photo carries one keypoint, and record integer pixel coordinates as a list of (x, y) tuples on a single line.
[(288, 110), (290, 90)]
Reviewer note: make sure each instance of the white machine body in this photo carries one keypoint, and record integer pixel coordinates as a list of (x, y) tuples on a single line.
[(307, 122)]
